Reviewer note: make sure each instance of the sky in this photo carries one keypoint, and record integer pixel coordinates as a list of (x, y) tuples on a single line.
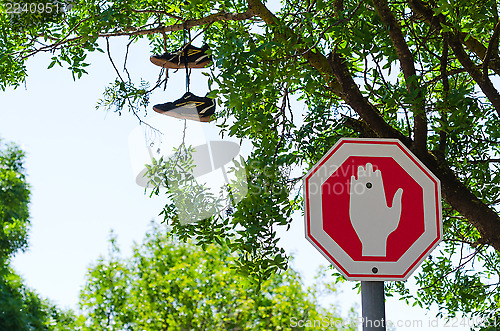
[(80, 170)]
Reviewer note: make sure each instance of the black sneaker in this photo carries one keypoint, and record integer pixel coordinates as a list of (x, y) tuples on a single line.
[(194, 56), (189, 107)]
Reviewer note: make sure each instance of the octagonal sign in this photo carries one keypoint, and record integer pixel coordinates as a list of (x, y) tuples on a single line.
[(372, 209)]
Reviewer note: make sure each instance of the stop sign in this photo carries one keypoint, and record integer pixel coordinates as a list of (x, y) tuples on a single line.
[(372, 209)]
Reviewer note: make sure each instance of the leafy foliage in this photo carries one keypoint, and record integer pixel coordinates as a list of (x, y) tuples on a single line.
[(170, 285), (20, 307), (14, 197), (295, 76)]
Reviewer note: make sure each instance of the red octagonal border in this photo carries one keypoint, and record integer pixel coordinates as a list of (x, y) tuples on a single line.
[(336, 208)]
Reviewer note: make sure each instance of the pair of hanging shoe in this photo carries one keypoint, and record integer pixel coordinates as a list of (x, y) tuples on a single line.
[(189, 106)]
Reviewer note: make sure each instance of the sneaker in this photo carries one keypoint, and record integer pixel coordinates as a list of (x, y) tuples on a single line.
[(194, 56), (189, 107)]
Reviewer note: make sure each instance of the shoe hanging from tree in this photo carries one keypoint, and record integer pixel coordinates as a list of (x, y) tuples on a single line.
[(190, 107), (188, 56)]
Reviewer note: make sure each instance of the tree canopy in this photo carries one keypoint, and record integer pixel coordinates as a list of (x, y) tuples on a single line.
[(170, 285), (14, 197), (20, 307), (423, 72)]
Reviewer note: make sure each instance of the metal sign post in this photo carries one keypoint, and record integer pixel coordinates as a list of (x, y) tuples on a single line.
[(373, 306)]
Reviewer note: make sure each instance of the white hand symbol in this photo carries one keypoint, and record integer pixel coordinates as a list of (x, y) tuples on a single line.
[(370, 216)]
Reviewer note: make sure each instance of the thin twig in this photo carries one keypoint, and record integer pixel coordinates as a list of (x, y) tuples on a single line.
[(443, 136), (60, 42), (322, 34), (461, 265), (126, 57), (484, 161), (493, 44), (128, 99)]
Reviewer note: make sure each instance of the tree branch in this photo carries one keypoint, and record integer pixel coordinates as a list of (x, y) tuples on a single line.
[(480, 50), (455, 43), (408, 66), (338, 77), (354, 98), (359, 126), (484, 82), (60, 42), (484, 161), (449, 73), (457, 194), (484, 219), (493, 44), (466, 39), (140, 31), (443, 63), (322, 33), (131, 107), (313, 56), (210, 19)]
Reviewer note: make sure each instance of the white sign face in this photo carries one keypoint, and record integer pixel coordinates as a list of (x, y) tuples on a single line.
[(372, 209)]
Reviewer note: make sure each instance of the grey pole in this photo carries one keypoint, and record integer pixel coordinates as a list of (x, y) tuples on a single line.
[(373, 306)]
